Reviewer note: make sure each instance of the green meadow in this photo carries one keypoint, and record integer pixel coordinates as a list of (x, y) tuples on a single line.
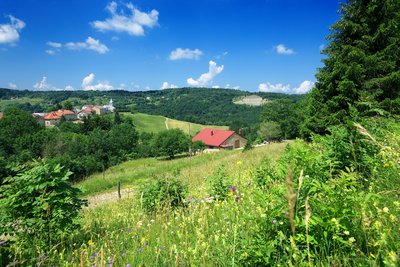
[(155, 123)]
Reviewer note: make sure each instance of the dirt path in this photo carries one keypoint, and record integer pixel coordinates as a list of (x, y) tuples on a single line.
[(166, 123)]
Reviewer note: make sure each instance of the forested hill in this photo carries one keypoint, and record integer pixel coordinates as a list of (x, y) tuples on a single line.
[(200, 105)]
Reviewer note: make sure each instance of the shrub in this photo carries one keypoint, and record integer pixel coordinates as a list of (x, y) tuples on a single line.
[(163, 193), (38, 208), (220, 183)]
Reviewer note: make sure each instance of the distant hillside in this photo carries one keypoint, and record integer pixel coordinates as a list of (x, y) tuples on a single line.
[(198, 105), (157, 123)]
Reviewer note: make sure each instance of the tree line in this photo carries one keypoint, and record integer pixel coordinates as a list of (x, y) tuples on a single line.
[(92, 146)]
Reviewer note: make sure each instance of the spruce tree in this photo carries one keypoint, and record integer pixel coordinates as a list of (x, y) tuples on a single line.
[(362, 68)]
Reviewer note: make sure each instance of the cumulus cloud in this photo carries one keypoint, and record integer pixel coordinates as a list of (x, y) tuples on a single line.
[(303, 88), (12, 86), (9, 33), (69, 88), (43, 85), (89, 44), (87, 84), (166, 85), (283, 50), (206, 78), (180, 53), (128, 19)]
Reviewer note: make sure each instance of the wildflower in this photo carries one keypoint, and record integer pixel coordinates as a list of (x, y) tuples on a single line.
[(385, 209), (274, 221), (128, 265), (123, 255), (239, 162), (140, 249), (346, 232), (2, 243), (233, 189), (237, 198), (90, 243), (352, 240)]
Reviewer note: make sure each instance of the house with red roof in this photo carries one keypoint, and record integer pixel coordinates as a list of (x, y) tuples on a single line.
[(220, 139), (54, 117)]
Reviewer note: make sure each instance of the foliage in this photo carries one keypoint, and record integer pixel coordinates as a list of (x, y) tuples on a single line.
[(362, 66), (197, 146), (339, 197), (170, 143), (38, 209), (162, 194), (287, 113), (220, 183), (270, 131), (15, 124)]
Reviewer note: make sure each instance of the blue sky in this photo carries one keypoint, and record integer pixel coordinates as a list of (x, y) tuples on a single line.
[(266, 45)]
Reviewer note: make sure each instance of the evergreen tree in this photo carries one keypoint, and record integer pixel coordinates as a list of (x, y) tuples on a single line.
[(362, 68)]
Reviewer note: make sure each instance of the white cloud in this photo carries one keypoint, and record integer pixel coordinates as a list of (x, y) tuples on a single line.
[(216, 86), (275, 88), (206, 78), (121, 21), (180, 53), (9, 33), (12, 86), (87, 84), (166, 85), (54, 44), (69, 88), (89, 44), (43, 85), (283, 50), (51, 52), (303, 88)]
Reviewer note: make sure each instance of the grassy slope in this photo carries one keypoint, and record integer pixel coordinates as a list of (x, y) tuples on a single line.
[(21, 100), (147, 123), (192, 169), (155, 123)]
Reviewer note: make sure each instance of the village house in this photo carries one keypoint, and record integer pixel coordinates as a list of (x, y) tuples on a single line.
[(39, 118), (95, 109), (54, 118), (220, 139)]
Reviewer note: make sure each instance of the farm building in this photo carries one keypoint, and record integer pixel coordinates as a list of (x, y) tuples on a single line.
[(220, 139)]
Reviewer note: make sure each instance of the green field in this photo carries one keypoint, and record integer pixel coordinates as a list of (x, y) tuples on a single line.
[(155, 123), (20, 100), (138, 172)]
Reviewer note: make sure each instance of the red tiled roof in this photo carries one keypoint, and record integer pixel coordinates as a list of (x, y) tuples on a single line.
[(65, 112), (52, 116), (213, 137)]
